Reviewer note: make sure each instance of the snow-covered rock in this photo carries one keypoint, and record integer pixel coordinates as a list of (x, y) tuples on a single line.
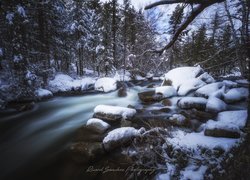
[(106, 84), (118, 137), (192, 102), (215, 105), (194, 140), (165, 91), (221, 129), (236, 94), (238, 118), (43, 93), (209, 89), (64, 83), (180, 75), (190, 85), (178, 119), (206, 78), (113, 113), (97, 125)]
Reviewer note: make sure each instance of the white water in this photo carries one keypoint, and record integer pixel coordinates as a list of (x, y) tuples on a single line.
[(38, 130)]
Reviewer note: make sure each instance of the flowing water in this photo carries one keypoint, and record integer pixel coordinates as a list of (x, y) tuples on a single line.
[(29, 139)]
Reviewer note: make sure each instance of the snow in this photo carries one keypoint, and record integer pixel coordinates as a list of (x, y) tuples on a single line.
[(120, 76), (1, 52), (215, 105), (209, 89), (187, 102), (193, 172), (43, 93), (236, 94), (121, 133), (211, 124), (180, 75), (98, 124), (189, 85), (17, 58), (64, 83), (194, 140), (179, 117), (206, 78), (9, 17), (106, 84), (238, 118), (230, 84), (166, 91), (115, 110), (21, 11)]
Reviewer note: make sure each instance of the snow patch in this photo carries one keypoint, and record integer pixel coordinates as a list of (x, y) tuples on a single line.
[(236, 94), (43, 93), (190, 85), (115, 110), (106, 84), (215, 105), (98, 124), (166, 91), (121, 133)]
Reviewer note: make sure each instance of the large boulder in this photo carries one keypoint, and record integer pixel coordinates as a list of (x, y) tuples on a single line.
[(192, 102), (189, 86), (113, 113), (106, 84), (97, 125), (119, 137)]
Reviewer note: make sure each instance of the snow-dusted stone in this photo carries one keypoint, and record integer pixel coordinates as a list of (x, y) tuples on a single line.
[(192, 102), (215, 105), (209, 89), (180, 75), (113, 113), (119, 137), (236, 94), (206, 78), (238, 118), (230, 84), (43, 93), (106, 84), (221, 129), (178, 119), (165, 91), (190, 85), (97, 125)]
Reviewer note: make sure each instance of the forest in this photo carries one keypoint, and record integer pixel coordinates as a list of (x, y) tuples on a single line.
[(124, 89)]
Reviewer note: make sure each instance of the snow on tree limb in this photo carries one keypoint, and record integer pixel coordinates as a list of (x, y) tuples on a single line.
[(201, 5)]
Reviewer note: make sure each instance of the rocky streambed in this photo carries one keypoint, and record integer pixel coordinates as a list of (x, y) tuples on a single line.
[(182, 130)]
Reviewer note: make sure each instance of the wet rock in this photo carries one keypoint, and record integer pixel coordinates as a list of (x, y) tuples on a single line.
[(166, 82), (151, 86), (125, 123), (222, 133), (111, 118), (149, 97), (26, 107), (97, 125), (160, 111), (122, 92), (192, 102), (88, 135), (202, 116), (166, 102), (83, 152)]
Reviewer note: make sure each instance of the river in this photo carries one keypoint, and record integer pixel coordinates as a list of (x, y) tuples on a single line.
[(32, 139)]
